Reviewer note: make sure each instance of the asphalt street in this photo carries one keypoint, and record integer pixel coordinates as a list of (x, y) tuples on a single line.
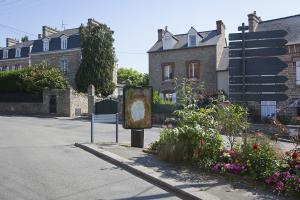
[(39, 161)]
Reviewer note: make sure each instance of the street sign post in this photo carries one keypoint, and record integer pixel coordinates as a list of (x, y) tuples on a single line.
[(253, 68)]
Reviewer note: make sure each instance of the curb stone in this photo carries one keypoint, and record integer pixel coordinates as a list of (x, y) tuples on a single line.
[(188, 193)]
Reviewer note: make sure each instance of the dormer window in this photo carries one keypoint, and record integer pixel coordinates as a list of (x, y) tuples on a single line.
[(167, 43), (46, 44), (18, 52), (192, 40), (5, 53), (64, 42)]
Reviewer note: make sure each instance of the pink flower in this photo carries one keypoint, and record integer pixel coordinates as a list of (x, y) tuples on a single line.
[(297, 166), (216, 167), (298, 180), (279, 186), (269, 180), (232, 153)]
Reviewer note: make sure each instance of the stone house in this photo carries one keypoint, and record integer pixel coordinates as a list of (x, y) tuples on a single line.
[(54, 47), (291, 24), (193, 55)]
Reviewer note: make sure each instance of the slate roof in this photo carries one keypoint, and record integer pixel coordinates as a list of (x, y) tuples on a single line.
[(37, 45), (209, 38), (224, 60), (54, 45), (290, 24)]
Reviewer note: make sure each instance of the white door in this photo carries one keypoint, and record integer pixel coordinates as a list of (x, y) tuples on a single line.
[(267, 109)]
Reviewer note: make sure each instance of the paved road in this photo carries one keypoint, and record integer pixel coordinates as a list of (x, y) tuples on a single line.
[(38, 161)]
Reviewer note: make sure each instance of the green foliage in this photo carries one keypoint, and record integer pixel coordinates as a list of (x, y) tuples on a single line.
[(24, 39), (98, 59), (9, 81), (158, 100), (260, 157), (32, 79), (189, 143), (232, 121), (38, 77), (130, 76)]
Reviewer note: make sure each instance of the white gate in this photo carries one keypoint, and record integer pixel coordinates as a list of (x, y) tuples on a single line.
[(268, 109)]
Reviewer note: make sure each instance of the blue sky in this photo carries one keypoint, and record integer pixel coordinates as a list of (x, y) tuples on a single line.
[(135, 22)]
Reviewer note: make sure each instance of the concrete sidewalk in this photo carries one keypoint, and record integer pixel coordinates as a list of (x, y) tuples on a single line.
[(185, 181)]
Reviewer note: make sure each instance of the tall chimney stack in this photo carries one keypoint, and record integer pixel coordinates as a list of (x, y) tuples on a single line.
[(253, 21), (11, 42), (48, 31), (220, 27), (160, 34)]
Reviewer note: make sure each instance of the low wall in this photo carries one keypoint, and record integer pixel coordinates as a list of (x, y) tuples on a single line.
[(79, 104), (68, 103)]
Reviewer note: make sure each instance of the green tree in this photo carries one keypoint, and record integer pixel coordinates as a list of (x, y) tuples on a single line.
[(98, 59), (130, 76), (24, 39)]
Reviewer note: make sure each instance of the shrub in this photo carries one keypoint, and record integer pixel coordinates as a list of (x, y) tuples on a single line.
[(232, 121), (190, 143), (38, 77), (9, 80), (260, 157), (32, 79)]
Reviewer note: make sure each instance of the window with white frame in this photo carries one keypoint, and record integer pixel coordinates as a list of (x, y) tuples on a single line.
[(63, 65), (5, 53), (167, 43), (46, 44), (298, 73), (192, 40), (168, 73), (18, 52), (193, 70), (64, 42)]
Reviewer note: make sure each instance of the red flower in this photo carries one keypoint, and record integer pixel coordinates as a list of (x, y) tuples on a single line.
[(287, 153), (295, 155), (255, 146)]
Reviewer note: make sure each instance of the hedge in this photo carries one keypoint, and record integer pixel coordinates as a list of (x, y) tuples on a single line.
[(32, 79)]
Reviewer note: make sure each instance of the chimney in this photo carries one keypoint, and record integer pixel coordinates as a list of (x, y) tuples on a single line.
[(48, 31), (93, 21), (39, 36), (253, 21), (160, 34), (11, 42), (220, 27)]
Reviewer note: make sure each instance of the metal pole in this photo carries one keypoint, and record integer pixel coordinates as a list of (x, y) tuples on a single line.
[(244, 62), (92, 129), (117, 130)]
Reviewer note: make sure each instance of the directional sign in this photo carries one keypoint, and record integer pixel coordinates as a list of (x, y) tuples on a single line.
[(259, 97), (257, 66), (277, 42), (258, 35), (258, 52), (258, 88), (258, 79)]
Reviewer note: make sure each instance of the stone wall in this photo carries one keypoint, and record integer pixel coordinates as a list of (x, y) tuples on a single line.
[(206, 56), (68, 103), (79, 104)]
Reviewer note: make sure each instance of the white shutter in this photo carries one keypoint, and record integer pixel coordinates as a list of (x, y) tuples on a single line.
[(298, 73)]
